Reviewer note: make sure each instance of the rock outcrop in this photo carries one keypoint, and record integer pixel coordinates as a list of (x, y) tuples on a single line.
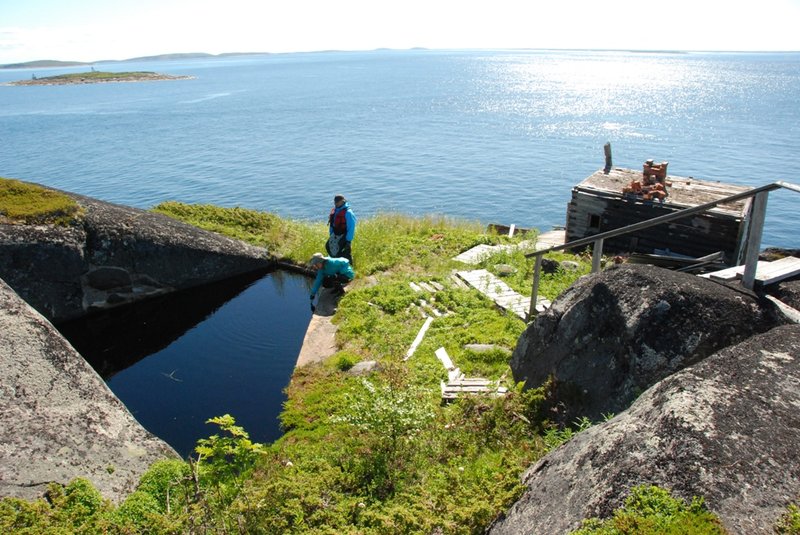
[(614, 334), (726, 429), (58, 419), (117, 255)]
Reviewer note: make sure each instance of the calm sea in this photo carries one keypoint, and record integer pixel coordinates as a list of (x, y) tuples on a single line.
[(499, 136)]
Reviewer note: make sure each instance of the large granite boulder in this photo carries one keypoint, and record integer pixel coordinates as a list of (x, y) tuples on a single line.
[(58, 419), (114, 256), (615, 333), (726, 429)]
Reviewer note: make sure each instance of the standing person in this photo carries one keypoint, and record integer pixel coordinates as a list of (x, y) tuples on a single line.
[(341, 229), (332, 273)]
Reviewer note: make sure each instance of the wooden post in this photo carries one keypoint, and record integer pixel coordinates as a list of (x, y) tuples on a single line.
[(537, 267), (597, 255), (607, 151), (757, 213)]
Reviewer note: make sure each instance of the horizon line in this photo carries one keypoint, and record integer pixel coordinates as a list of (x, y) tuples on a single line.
[(383, 49)]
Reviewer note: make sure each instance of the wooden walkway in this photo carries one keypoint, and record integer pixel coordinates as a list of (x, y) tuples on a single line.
[(499, 292)]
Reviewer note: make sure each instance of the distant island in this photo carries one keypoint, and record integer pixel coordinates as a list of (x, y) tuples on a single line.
[(46, 63), (95, 77), (43, 64)]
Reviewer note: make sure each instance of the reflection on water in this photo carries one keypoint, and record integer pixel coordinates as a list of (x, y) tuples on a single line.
[(224, 348)]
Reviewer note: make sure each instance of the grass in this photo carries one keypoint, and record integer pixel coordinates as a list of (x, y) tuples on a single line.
[(367, 455), (25, 203)]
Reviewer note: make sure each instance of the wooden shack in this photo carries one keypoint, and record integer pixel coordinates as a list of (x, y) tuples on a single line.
[(614, 199)]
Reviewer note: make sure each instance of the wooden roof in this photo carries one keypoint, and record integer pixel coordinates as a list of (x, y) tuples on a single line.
[(683, 193)]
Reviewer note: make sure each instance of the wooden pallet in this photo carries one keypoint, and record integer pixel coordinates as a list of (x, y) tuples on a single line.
[(473, 386), (457, 384)]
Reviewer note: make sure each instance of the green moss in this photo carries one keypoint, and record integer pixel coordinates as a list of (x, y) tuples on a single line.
[(653, 510), (789, 523), (21, 202)]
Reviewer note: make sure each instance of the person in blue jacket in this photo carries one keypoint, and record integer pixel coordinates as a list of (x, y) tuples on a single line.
[(341, 229), (332, 273)]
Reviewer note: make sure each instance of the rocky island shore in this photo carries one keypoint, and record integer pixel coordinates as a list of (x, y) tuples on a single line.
[(99, 77)]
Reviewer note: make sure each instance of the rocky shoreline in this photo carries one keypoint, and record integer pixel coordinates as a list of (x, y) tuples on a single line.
[(89, 78)]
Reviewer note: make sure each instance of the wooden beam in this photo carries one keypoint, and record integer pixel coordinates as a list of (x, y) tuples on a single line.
[(537, 269), (597, 255), (759, 210), (418, 339)]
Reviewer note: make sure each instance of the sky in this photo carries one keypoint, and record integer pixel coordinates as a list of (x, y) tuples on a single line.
[(94, 30)]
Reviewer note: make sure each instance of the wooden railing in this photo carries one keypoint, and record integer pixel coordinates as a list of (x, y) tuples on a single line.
[(754, 230)]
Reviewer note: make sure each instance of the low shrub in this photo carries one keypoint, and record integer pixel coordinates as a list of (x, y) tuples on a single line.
[(653, 510)]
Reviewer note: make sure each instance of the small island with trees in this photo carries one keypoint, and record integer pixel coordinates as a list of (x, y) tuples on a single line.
[(94, 77)]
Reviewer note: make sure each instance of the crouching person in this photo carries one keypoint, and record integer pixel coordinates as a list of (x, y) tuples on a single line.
[(332, 273)]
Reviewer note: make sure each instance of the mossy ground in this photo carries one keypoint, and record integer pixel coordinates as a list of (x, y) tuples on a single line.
[(25, 203)]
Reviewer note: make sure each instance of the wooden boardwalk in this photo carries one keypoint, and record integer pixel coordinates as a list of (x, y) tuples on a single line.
[(499, 292)]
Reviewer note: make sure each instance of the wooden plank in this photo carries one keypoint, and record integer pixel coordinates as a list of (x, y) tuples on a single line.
[(418, 339), (474, 381), (724, 275), (791, 313), (453, 373), (444, 358), (459, 282), (475, 255), (766, 272), (452, 391), (550, 239), (427, 287), (778, 270), (482, 251)]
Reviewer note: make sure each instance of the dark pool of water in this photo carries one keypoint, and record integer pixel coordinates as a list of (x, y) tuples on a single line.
[(227, 348)]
